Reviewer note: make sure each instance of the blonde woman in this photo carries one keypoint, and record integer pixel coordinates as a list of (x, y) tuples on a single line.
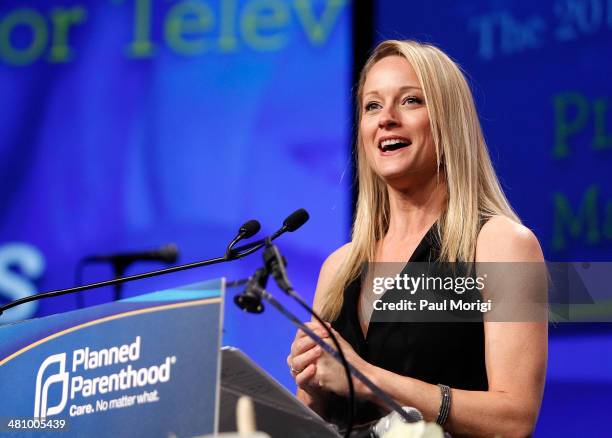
[(427, 190)]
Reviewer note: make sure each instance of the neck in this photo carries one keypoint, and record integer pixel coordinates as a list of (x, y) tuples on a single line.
[(414, 210)]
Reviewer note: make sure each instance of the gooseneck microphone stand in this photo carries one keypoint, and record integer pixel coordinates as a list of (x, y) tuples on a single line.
[(250, 228), (116, 281)]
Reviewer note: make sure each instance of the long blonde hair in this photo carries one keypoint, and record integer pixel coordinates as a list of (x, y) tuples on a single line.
[(474, 192)]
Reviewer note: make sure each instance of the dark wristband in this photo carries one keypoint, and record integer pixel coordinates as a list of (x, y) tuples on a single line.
[(445, 404)]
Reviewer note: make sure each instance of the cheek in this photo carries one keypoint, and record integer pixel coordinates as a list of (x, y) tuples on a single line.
[(369, 153), (420, 125), (367, 128)]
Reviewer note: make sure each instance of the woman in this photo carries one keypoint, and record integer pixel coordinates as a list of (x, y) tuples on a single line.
[(427, 190)]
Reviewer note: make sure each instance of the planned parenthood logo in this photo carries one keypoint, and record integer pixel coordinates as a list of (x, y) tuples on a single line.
[(41, 409), (85, 378)]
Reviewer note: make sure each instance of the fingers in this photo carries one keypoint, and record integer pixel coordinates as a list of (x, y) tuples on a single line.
[(299, 362), (302, 345), (315, 327), (305, 352), (303, 379), (303, 342)]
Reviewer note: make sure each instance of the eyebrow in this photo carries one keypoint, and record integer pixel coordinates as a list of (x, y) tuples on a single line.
[(401, 90)]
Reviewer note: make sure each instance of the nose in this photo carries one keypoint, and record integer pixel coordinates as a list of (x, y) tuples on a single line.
[(388, 117)]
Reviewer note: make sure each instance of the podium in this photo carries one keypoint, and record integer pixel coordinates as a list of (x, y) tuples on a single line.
[(278, 412), (150, 366)]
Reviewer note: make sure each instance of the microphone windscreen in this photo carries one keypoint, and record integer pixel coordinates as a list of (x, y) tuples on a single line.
[(296, 219), (249, 229), (169, 253)]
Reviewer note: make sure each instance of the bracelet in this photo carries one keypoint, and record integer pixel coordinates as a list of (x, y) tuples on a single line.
[(445, 404)]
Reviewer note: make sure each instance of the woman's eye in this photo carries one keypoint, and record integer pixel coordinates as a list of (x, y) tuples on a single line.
[(371, 106), (413, 100)]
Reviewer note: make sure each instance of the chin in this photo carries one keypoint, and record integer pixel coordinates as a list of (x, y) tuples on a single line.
[(404, 177), (392, 171), (394, 178)]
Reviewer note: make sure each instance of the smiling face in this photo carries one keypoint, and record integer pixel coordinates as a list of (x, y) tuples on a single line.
[(394, 127)]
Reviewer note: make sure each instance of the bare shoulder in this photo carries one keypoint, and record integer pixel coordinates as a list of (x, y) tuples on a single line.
[(335, 259), (501, 239), (328, 270)]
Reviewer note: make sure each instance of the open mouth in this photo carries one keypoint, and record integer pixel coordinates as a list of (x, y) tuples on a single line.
[(393, 144)]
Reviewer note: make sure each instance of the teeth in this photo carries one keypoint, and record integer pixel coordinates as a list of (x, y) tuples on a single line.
[(392, 144), (386, 143)]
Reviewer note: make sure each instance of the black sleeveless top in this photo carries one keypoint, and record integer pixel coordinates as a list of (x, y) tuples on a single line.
[(450, 353)]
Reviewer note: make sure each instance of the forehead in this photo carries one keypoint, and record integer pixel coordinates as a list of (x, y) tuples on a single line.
[(390, 73)]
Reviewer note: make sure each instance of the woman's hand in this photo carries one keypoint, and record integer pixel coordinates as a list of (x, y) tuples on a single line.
[(303, 357), (330, 374)]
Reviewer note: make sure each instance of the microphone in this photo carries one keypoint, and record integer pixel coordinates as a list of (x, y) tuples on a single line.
[(249, 229), (167, 254), (120, 261), (291, 223), (250, 300), (294, 221), (246, 231)]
